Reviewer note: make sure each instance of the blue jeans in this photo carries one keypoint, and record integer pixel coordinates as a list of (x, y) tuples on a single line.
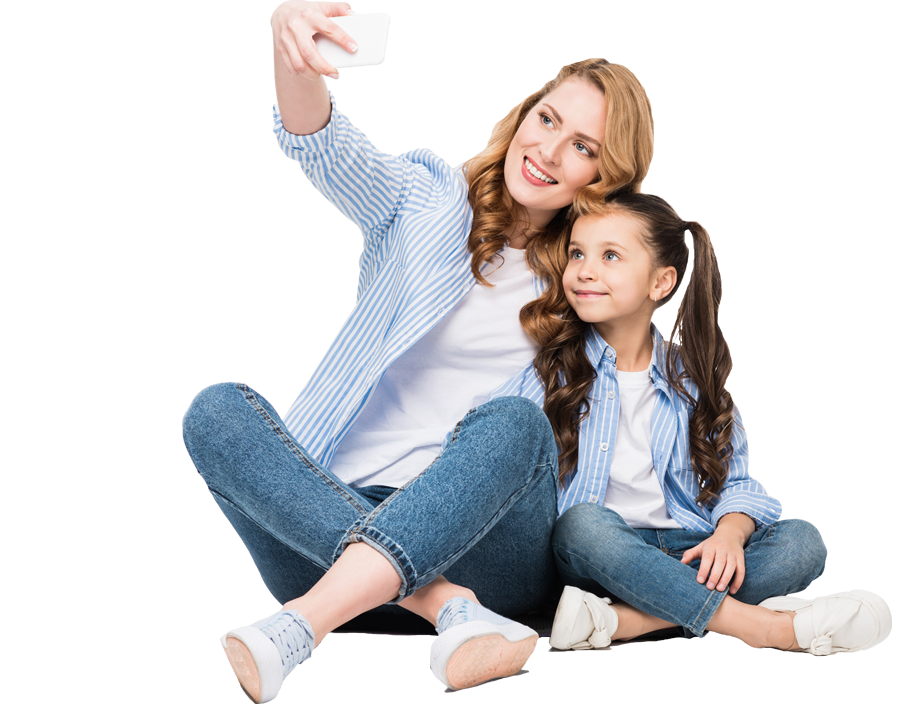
[(482, 513), (595, 548)]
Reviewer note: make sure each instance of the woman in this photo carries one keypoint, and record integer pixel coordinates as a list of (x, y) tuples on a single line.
[(353, 502)]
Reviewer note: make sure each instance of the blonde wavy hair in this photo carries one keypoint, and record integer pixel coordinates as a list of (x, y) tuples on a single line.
[(624, 159)]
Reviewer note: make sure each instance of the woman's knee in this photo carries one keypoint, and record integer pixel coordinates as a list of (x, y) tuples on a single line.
[(522, 421), (209, 420)]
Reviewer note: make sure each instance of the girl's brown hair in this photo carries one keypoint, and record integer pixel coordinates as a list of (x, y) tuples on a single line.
[(624, 158), (696, 351)]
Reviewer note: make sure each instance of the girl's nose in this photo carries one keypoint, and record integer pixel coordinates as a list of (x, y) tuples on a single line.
[(586, 272)]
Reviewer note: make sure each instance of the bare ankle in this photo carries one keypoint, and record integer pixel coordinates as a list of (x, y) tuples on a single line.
[(781, 631)]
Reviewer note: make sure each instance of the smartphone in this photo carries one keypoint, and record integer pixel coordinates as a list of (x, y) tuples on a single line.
[(369, 31)]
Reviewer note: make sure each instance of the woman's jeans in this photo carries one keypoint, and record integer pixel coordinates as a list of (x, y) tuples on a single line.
[(482, 513), (595, 548)]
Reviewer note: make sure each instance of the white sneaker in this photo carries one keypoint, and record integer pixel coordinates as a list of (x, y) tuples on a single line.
[(840, 623), (475, 645), (264, 653), (583, 621)]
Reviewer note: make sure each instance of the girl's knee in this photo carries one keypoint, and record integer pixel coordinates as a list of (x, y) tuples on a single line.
[(588, 528), (804, 547)]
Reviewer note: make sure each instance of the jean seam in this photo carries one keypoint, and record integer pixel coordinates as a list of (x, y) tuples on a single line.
[(268, 532), (296, 449)]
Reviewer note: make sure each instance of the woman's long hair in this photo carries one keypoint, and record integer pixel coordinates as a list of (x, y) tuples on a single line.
[(696, 351), (624, 158)]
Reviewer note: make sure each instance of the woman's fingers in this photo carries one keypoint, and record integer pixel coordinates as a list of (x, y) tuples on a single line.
[(336, 33)]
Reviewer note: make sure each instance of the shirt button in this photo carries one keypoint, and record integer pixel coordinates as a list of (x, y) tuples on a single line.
[(593, 499), (441, 311), (604, 446), (608, 353), (406, 342), (611, 394)]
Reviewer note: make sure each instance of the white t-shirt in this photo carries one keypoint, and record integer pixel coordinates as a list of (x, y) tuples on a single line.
[(427, 390), (634, 492)]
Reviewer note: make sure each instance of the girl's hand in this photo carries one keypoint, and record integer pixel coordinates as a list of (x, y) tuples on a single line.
[(294, 25), (722, 557)]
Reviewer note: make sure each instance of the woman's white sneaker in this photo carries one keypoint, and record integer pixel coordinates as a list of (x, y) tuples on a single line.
[(583, 621), (840, 623), (476, 645), (263, 653)]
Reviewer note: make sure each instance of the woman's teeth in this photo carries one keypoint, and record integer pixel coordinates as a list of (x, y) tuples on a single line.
[(533, 170)]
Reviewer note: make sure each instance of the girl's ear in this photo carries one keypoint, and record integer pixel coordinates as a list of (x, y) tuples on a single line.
[(663, 283)]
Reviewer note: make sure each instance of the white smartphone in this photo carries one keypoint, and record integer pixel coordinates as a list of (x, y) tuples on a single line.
[(369, 32)]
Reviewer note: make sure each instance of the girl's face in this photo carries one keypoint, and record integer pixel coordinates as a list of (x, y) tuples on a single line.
[(610, 278), (555, 151)]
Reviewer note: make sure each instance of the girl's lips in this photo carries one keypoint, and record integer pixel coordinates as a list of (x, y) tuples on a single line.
[(532, 179), (588, 294)]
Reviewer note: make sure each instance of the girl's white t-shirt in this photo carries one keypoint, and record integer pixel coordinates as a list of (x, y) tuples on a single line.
[(634, 491), (479, 345)]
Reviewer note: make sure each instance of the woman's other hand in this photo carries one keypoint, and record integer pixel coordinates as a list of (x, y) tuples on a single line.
[(294, 24), (723, 562)]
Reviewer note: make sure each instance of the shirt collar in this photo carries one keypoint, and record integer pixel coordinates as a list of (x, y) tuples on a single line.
[(597, 350)]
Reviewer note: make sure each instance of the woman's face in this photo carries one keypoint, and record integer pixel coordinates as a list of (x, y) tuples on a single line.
[(555, 151)]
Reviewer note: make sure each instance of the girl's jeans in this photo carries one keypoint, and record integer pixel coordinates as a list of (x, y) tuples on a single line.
[(482, 513), (595, 548)]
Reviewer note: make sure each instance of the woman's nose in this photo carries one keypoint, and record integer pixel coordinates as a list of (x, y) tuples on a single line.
[(550, 151)]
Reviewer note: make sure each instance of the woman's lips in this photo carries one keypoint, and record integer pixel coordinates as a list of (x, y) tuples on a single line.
[(530, 177)]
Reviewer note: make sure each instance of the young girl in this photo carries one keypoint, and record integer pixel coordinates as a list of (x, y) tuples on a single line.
[(653, 455)]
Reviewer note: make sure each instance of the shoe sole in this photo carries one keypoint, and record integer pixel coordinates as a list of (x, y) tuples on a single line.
[(567, 609), (244, 667), (487, 658)]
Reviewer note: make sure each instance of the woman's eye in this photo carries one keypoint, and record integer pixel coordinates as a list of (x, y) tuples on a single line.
[(583, 149), (546, 121)]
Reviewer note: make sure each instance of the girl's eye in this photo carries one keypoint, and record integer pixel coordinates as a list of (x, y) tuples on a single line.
[(576, 254), (610, 257)]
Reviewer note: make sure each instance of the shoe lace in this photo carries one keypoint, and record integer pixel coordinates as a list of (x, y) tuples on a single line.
[(294, 638), (453, 612)]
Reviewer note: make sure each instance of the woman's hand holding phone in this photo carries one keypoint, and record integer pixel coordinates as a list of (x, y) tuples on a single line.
[(294, 24)]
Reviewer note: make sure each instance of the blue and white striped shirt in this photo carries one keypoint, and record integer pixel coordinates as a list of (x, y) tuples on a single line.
[(414, 216), (669, 434)]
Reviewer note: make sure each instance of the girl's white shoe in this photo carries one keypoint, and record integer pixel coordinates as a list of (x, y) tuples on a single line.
[(840, 623), (583, 621)]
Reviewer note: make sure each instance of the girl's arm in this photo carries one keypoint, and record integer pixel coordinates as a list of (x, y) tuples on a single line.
[(743, 507)]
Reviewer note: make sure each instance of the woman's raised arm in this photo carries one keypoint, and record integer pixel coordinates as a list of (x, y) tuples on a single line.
[(303, 99)]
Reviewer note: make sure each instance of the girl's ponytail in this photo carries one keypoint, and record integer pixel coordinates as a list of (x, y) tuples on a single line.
[(705, 359)]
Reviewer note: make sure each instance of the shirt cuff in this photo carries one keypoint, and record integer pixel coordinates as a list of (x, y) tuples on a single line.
[(296, 144), (762, 509)]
